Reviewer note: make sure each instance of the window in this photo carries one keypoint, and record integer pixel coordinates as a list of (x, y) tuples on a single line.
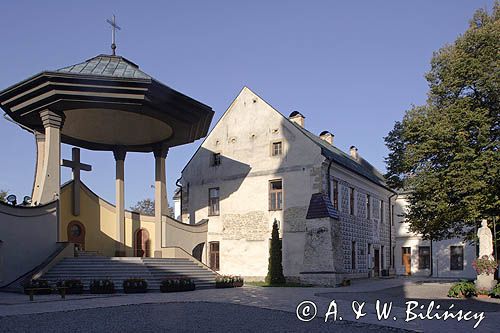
[(351, 200), (215, 161), (353, 255), (335, 194), (213, 201), (456, 258), (405, 251), (277, 148), (381, 210), (214, 256), (368, 207), (424, 257), (275, 195), (76, 230), (382, 257)]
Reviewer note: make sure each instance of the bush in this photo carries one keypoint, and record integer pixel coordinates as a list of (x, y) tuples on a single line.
[(72, 286), (177, 284), (37, 284), (228, 281), (462, 289), (485, 265), (495, 292), (135, 285), (102, 286)]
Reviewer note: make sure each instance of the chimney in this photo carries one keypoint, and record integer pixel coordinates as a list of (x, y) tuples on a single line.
[(354, 153), (327, 136), (297, 118)]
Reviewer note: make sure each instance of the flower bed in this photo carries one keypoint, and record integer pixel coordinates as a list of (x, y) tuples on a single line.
[(228, 281), (462, 289), (177, 284), (73, 287), (37, 287), (135, 285), (102, 286), (485, 265)]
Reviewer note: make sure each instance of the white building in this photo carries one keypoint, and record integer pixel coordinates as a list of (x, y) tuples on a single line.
[(257, 166), (451, 258)]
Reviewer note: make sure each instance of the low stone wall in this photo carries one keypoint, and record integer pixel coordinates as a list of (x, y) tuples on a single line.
[(28, 236)]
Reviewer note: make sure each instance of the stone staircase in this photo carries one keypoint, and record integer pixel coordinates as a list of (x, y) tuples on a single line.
[(87, 268)]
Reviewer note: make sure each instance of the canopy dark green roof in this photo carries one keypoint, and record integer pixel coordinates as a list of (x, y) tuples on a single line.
[(107, 65)]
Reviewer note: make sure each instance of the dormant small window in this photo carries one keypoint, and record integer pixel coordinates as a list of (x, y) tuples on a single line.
[(275, 195), (424, 257), (456, 258), (351, 200), (368, 207), (215, 161), (381, 210), (335, 194), (213, 201), (277, 148), (214, 256)]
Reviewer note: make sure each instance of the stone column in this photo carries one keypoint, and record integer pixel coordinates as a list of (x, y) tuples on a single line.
[(48, 173), (161, 203), (119, 154)]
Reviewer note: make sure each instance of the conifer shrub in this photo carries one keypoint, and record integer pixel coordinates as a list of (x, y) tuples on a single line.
[(275, 268)]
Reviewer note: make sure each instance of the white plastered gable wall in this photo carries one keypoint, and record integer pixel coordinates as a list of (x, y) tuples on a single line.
[(243, 136)]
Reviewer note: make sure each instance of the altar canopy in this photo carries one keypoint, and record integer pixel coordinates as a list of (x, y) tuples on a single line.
[(105, 103)]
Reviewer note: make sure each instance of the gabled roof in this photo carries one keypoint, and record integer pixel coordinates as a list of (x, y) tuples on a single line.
[(321, 206), (107, 65), (331, 152)]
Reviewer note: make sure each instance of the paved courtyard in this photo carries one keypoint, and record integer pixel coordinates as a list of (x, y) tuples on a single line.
[(246, 309)]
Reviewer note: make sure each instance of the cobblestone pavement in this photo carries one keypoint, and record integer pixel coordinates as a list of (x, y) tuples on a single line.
[(178, 317), (287, 299)]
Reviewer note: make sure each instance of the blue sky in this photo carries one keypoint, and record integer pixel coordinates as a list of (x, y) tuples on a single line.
[(351, 67)]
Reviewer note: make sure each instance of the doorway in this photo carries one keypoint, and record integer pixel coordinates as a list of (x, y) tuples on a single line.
[(142, 243), (76, 235), (376, 268), (406, 260)]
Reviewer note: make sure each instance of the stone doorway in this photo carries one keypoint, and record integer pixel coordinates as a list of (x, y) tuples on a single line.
[(76, 235), (142, 243)]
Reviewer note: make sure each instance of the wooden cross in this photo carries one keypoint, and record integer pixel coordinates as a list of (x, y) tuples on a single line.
[(76, 166), (114, 27)]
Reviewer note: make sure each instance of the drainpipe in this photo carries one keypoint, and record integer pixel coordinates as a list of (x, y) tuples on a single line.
[(329, 183), (391, 224)]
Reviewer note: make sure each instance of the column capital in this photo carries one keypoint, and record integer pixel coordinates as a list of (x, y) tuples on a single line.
[(51, 119), (119, 153), (160, 152)]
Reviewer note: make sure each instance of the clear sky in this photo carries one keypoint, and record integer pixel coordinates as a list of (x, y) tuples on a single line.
[(351, 67)]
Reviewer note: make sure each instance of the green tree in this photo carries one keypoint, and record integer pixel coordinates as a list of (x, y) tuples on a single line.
[(275, 267), (3, 195), (446, 152), (147, 207)]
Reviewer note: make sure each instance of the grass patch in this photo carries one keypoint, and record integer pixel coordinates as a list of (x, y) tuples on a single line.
[(286, 285)]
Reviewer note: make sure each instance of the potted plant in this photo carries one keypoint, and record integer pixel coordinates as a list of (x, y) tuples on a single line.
[(177, 284), (135, 285), (345, 282), (485, 265), (102, 286), (462, 289), (224, 281), (483, 293), (495, 292), (238, 281), (37, 287), (74, 286)]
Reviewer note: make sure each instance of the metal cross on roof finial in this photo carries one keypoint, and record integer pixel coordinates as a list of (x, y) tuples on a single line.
[(114, 26)]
